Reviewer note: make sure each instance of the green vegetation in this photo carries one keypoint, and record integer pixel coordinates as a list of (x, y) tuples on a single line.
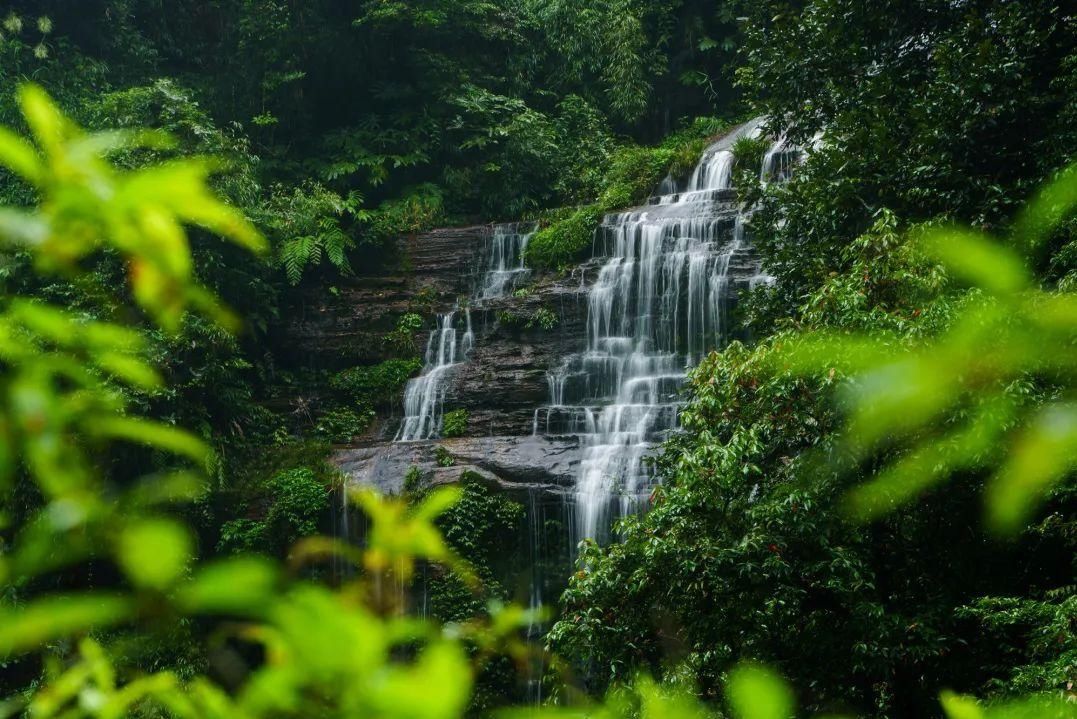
[(870, 509), (541, 318), (629, 175), (378, 385), (454, 423)]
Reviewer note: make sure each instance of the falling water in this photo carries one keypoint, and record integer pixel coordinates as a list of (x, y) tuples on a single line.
[(447, 347), (657, 306)]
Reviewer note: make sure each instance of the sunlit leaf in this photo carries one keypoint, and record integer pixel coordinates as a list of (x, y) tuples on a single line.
[(957, 706), (437, 503), (48, 124), (1050, 205), (153, 434), (20, 157)]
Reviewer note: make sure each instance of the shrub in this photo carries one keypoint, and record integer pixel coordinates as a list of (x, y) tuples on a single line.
[(454, 424), (565, 240), (300, 500), (417, 211), (443, 457), (413, 480), (402, 339), (376, 385), (342, 424), (242, 535)]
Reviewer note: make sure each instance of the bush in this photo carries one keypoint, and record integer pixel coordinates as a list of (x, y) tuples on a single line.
[(402, 339), (376, 385), (300, 500), (454, 424), (443, 457), (565, 240), (242, 535), (343, 424)]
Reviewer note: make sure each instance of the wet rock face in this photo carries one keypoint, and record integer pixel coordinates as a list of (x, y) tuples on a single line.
[(508, 463), (423, 272), (505, 378)]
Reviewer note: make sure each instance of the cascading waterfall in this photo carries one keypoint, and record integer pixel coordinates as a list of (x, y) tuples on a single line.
[(659, 304), (446, 348)]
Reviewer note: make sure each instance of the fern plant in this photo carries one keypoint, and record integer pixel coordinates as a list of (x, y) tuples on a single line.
[(307, 227)]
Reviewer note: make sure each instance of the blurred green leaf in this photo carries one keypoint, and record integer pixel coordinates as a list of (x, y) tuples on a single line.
[(153, 434), (20, 157), (154, 553), (977, 260), (243, 585), (58, 616), (1050, 205), (1044, 452), (755, 692)]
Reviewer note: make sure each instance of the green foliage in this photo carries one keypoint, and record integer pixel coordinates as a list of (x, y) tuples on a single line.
[(541, 317), (419, 209), (305, 226), (454, 423), (956, 399), (443, 457), (343, 424), (402, 338), (565, 239), (300, 501), (378, 385), (413, 480)]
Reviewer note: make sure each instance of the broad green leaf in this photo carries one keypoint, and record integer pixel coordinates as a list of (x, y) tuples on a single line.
[(1050, 206), (755, 692), (153, 434), (436, 687), (437, 503), (957, 706), (1045, 451), (243, 585), (154, 553), (20, 157), (58, 616), (977, 260), (45, 119)]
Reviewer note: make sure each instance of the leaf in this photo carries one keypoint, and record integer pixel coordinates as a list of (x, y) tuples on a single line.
[(437, 503), (755, 692), (48, 124), (154, 552), (20, 157), (153, 434), (243, 585), (957, 706), (1044, 453), (977, 259), (1050, 205), (55, 617)]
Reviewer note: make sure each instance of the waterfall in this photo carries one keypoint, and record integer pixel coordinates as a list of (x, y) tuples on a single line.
[(424, 396), (659, 303)]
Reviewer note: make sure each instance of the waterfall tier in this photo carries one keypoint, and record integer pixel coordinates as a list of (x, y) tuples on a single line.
[(448, 346), (659, 303)]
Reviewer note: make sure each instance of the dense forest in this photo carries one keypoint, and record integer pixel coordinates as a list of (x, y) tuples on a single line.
[(443, 358)]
